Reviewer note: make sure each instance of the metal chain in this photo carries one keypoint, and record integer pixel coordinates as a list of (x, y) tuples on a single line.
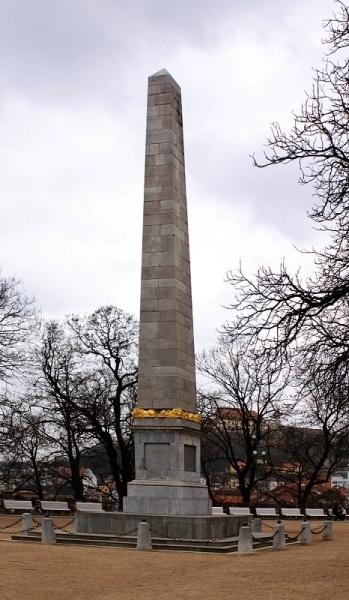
[(11, 525), (125, 533), (162, 537), (295, 537), (318, 530), (63, 527), (270, 537), (35, 526), (268, 526)]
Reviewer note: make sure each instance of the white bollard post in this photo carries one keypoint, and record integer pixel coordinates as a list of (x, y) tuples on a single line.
[(327, 533), (144, 536), (279, 539), (306, 535), (47, 531), (245, 545), (27, 523), (257, 525)]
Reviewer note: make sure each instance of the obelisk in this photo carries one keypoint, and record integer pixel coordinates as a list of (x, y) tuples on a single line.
[(166, 423)]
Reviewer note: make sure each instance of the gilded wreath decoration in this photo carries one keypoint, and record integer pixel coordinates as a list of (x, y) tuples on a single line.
[(171, 413)]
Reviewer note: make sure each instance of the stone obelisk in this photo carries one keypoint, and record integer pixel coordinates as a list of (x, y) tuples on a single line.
[(166, 424)]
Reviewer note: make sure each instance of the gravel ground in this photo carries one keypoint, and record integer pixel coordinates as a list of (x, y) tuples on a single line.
[(35, 572)]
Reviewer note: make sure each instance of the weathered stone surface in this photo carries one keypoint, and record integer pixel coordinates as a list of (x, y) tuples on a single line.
[(47, 531), (27, 523), (245, 540), (279, 539), (165, 258), (306, 535), (167, 451), (327, 533), (171, 526), (144, 536)]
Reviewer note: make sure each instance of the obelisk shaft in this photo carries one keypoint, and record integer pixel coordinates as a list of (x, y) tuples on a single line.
[(166, 355), (167, 441)]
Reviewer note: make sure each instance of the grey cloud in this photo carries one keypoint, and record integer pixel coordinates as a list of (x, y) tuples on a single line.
[(88, 60), (273, 195), (65, 49)]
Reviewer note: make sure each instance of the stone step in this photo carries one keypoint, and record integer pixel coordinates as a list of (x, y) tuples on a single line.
[(132, 538), (185, 545), (216, 546)]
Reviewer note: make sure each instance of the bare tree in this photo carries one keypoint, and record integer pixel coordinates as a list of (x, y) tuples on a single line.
[(89, 381), (279, 308), (25, 448), (109, 338), (17, 314), (310, 455), (243, 410), (57, 391)]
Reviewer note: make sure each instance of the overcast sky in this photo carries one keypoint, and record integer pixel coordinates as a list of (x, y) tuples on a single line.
[(73, 82)]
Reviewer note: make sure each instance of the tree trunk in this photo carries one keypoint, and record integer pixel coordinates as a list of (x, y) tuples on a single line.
[(245, 493), (76, 480)]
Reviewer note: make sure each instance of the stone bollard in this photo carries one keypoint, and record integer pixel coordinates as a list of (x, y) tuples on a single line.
[(279, 539), (144, 536), (327, 532), (245, 545), (306, 535), (47, 531), (27, 523), (257, 525)]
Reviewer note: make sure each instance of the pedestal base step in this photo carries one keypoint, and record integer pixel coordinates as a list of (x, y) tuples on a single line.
[(223, 546)]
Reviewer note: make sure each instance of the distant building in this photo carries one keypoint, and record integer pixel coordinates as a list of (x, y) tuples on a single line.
[(233, 418)]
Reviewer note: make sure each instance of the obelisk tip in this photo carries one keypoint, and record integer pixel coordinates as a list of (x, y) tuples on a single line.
[(161, 72)]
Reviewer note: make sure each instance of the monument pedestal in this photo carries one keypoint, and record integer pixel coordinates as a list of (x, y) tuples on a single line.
[(209, 527), (167, 498), (167, 460)]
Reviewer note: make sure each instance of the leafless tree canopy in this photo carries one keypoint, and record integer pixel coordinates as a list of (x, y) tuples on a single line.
[(242, 410), (16, 324), (88, 383), (280, 308), (285, 317)]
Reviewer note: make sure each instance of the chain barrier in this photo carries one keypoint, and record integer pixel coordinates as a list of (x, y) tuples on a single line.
[(294, 538), (270, 537), (3, 529), (57, 527), (289, 538), (268, 526), (37, 523), (35, 526), (160, 536), (318, 530), (124, 534), (24, 531), (64, 526)]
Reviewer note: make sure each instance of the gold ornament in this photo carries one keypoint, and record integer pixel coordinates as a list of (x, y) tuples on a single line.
[(166, 413)]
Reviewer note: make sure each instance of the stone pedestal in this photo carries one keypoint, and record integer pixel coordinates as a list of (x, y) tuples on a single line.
[(167, 457), (167, 498), (162, 526)]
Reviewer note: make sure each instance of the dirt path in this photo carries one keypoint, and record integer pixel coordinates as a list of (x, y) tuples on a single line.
[(35, 572)]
